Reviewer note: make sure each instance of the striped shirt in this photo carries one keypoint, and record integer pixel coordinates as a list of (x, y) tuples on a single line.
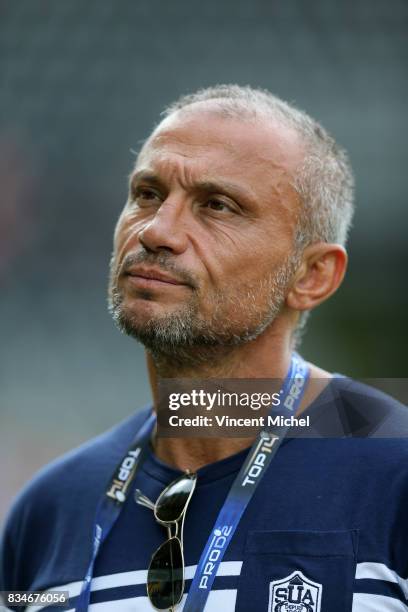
[(326, 530)]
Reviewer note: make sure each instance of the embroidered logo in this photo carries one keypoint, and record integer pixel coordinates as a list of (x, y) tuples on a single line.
[(295, 593)]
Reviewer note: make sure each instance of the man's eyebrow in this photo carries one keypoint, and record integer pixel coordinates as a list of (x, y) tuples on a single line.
[(226, 187), (145, 175)]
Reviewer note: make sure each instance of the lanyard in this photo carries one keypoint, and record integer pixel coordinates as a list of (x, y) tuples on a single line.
[(238, 498), (244, 486)]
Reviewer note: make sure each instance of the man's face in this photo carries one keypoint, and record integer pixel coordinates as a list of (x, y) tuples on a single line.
[(203, 249)]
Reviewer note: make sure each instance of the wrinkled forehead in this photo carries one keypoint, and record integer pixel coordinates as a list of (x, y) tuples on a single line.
[(252, 143)]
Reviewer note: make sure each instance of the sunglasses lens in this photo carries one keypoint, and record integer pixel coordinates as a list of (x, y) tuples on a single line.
[(165, 578), (171, 503)]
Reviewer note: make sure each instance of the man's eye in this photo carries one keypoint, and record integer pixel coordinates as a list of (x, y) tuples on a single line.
[(218, 206), (143, 194)]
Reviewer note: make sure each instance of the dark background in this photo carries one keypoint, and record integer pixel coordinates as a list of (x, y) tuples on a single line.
[(81, 84)]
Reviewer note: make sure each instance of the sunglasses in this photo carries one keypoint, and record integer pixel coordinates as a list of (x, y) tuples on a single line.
[(165, 576)]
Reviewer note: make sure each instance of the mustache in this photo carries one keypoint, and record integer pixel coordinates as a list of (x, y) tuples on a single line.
[(162, 261)]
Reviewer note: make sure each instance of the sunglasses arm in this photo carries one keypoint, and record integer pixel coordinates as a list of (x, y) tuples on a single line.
[(142, 500)]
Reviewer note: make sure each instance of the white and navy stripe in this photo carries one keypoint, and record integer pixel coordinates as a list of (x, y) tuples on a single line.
[(377, 588), (116, 585)]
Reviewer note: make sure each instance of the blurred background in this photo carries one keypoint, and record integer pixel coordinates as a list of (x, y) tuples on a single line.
[(81, 84)]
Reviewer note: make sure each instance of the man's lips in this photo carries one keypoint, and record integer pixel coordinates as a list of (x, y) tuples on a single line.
[(151, 276)]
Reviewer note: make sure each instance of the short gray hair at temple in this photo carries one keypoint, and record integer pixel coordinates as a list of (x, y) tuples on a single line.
[(324, 181)]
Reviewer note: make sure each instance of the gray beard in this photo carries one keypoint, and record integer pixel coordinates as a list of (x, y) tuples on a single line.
[(187, 340)]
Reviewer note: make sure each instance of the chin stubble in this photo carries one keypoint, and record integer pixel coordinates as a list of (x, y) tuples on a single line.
[(184, 336)]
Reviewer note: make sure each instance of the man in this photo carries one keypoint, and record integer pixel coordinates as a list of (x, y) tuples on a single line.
[(234, 229)]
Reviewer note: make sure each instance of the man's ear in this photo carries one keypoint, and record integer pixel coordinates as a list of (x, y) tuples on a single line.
[(319, 275)]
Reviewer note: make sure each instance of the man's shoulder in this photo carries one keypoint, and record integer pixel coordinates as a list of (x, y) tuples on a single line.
[(40, 523), (349, 408), (361, 423), (369, 411)]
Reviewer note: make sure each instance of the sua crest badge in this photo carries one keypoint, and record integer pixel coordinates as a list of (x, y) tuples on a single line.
[(295, 593)]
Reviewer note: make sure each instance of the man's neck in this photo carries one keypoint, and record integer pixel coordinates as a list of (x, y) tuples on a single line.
[(268, 356), (263, 358)]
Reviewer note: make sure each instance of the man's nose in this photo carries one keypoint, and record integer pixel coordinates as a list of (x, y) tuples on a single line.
[(167, 230)]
